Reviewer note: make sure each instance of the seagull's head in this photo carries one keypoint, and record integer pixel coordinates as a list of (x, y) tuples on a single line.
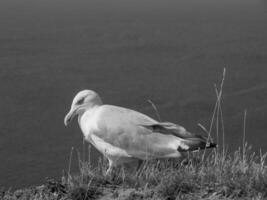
[(84, 100)]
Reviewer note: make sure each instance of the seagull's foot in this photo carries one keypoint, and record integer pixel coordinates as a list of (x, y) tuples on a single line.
[(110, 173)]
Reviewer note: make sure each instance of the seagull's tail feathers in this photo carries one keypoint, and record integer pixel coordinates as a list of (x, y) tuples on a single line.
[(194, 144), (191, 141)]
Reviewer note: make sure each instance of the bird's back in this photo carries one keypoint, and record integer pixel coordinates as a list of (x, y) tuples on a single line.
[(126, 129), (119, 132)]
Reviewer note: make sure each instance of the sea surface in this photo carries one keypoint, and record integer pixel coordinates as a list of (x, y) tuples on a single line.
[(170, 52)]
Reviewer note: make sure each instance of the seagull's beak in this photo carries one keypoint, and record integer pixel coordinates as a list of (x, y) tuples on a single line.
[(69, 116)]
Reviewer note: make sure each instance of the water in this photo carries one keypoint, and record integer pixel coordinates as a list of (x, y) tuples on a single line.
[(128, 51)]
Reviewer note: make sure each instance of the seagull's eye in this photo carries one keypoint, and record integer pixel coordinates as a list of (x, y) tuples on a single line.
[(80, 101)]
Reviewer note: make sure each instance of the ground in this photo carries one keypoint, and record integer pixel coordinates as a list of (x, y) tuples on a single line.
[(241, 175)]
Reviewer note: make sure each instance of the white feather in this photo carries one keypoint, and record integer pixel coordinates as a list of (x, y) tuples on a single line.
[(122, 134)]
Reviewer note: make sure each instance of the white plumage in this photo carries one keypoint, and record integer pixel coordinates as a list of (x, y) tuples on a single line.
[(124, 135)]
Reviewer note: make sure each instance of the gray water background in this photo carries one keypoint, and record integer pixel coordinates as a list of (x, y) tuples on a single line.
[(171, 52)]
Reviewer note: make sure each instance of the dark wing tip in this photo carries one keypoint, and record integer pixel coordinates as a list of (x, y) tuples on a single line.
[(194, 145), (211, 145)]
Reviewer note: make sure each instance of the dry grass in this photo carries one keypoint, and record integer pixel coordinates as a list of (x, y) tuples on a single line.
[(200, 175), (240, 175), (213, 174)]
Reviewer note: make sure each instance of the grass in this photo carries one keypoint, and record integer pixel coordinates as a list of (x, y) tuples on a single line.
[(213, 174)]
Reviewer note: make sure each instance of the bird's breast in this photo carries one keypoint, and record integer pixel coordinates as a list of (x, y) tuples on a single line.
[(88, 123)]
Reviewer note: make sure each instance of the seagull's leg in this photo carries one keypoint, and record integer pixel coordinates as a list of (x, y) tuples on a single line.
[(110, 167)]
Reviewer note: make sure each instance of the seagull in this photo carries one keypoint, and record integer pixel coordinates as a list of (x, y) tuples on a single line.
[(123, 135)]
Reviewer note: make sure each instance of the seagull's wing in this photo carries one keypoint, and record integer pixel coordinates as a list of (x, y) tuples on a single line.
[(127, 130), (192, 140), (141, 136), (169, 128)]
